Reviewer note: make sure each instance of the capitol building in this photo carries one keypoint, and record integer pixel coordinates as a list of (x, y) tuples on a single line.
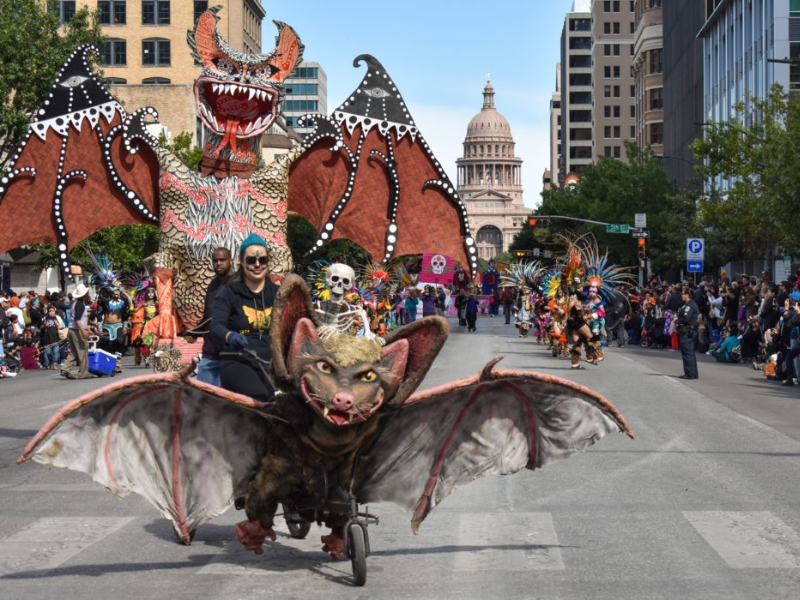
[(490, 180)]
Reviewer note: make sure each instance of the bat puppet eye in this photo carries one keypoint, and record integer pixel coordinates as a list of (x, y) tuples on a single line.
[(325, 367), (369, 376)]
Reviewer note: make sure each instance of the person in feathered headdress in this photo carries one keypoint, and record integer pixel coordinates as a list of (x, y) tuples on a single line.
[(145, 309), (113, 308), (555, 293)]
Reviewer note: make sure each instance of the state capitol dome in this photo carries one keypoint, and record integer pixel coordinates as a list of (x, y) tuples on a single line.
[(490, 180), (489, 124)]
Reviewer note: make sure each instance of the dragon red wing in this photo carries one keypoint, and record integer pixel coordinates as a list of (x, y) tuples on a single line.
[(76, 172), (369, 176)]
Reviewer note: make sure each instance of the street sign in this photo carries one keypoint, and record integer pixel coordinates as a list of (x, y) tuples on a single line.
[(640, 220), (617, 228), (694, 266), (536, 251), (640, 234), (695, 249)]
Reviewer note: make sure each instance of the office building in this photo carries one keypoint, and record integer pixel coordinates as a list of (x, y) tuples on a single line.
[(306, 92)]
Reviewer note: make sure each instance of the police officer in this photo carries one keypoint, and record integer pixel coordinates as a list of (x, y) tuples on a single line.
[(687, 331)]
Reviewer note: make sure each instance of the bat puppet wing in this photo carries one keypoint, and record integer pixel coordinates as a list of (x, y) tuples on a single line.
[(187, 447), (495, 423)]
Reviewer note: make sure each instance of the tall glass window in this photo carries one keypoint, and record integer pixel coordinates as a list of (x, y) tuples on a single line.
[(155, 12), (156, 52), (115, 53), (112, 12)]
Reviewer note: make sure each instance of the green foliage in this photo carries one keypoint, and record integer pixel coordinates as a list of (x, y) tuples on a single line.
[(181, 147), (33, 47), (752, 173), (613, 191), (301, 237)]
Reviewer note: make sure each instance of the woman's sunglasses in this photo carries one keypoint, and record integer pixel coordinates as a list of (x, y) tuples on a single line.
[(252, 260)]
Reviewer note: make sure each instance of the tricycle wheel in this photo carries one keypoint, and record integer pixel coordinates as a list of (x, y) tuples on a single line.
[(358, 554), (298, 526)]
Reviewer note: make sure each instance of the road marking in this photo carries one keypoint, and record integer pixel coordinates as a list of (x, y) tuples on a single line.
[(49, 542), (748, 540), (509, 541)]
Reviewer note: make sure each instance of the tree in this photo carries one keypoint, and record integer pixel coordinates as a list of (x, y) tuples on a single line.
[(751, 164), (612, 191), (33, 47)]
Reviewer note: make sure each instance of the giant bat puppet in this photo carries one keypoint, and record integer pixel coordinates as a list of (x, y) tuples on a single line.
[(191, 448), (365, 173)]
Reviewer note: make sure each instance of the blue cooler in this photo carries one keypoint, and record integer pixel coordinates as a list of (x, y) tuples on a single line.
[(101, 363)]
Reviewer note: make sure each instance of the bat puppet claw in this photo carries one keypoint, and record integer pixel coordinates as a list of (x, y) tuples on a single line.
[(334, 544), (252, 535)]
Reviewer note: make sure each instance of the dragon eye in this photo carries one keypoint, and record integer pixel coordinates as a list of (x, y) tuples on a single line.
[(226, 66), (263, 71), (369, 376), (324, 366), (73, 81)]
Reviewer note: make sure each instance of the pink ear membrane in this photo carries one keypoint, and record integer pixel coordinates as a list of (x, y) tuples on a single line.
[(395, 358), (304, 332)]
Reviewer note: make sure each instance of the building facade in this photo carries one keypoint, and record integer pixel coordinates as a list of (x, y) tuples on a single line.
[(147, 60), (306, 92), (613, 89), (490, 180), (576, 90), (555, 131), (648, 71)]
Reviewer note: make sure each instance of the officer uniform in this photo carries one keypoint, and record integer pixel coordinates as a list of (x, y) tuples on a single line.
[(687, 332)]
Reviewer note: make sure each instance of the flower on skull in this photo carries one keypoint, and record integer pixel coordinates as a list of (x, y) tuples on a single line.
[(438, 264)]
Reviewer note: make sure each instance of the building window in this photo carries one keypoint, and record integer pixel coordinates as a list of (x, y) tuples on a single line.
[(656, 102), (615, 6), (616, 112), (607, 27), (112, 12), (633, 131), (306, 73), (794, 9), (616, 72), (156, 81), (607, 151), (115, 81), (655, 3), (607, 112), (607, 6), (794, 69), (115, 53), (308, 89), (633, 27), (607, 131), (156, 52), (655, 61), (617, 131), (607, 50), (656, 133), (633, 111), (607, 72), (155, 12), (616, 27), (616, 49), (617, 152), (200, 6), (607, 91), (65, 9), (616, 91), (308, 106)]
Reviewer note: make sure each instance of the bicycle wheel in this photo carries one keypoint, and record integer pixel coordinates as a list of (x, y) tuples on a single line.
[(298, 526), (358, 554)]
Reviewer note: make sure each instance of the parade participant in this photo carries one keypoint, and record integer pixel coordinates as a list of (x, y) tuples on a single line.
[(524, 317), (113, 311), (489, 282), (145, 309), (428, 298), (597, 315), (410, 305), (541, 320), (507, 300), (78, 334), (210, 364), (241, 316), (578, 330), (687, 331), (50, 339), (471, 311), (460, 279)]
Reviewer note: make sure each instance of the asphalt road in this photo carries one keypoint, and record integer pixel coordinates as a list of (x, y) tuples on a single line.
[(703, 504)]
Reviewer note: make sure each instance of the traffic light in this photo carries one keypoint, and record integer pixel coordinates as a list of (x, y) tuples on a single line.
[(533, 221), (642, 243), (523, 253)]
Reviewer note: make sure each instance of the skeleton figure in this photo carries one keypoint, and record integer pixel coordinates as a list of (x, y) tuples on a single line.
[(336, 315)]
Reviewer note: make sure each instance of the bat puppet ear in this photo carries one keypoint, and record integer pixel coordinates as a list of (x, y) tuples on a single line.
[(423, 338), (292, 304)]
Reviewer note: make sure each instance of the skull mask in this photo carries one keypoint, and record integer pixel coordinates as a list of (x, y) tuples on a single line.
[(339, 280)]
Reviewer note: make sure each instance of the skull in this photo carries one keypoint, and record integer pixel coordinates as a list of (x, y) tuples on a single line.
[(438, 264), (339, 280)]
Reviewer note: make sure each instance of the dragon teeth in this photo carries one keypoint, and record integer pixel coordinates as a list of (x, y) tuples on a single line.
[(251, 93)]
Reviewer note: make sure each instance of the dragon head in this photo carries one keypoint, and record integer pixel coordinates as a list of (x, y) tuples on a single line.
[(238, 95)]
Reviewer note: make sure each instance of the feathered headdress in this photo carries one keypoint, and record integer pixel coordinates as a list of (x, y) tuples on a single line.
[(525, 275), (599, 273), (103, 275), (139, 285), (315, 278)]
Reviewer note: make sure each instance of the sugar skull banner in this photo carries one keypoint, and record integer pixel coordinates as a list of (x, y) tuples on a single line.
[(437, 268)]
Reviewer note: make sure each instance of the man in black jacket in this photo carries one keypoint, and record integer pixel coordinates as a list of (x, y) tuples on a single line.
[(687, 331), (210, 364)]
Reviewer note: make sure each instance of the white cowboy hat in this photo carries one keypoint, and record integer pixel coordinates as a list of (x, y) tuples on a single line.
[(80, 291)]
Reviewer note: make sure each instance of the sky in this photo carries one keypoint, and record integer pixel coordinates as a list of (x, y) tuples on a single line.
[(439, 53)]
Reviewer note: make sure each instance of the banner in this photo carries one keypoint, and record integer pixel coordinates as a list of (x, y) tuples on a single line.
[(437, 268)]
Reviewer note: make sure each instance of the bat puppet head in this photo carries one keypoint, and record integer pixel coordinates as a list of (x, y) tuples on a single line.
[(346, 381), (237, 94)]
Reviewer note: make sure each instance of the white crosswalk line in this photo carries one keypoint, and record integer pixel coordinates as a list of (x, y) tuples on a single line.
[(49, 542), (748, 540), (508, 541)]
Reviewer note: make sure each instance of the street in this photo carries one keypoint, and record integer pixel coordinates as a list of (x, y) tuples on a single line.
[(702, 504)]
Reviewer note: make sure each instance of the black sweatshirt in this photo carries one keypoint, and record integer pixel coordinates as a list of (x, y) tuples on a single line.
[(238, 309)]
